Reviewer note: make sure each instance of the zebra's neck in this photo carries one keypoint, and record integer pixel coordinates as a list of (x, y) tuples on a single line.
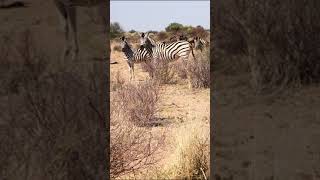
[(128, 51)]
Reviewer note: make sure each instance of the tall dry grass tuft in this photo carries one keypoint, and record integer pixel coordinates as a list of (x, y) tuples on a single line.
[(191, 156), (198, 70)]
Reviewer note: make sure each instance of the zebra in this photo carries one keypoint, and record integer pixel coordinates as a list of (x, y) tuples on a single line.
[(200, 43), (166, 51), (132, 57)]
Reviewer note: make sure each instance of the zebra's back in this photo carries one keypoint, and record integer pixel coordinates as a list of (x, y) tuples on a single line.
[(172, 51)]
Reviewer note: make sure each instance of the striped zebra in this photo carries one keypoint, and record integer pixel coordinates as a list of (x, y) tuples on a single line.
[(166, 51), (132, 57), (200, 43)]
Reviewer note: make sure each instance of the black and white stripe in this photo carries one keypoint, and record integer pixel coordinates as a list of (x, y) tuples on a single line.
[(166, 51), (132, 57), (200, 43)]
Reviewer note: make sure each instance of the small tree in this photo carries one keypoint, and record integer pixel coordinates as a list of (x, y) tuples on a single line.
[(174, 27), (132, 31), (115, 29)]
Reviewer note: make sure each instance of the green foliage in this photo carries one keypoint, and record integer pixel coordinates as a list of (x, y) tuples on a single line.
[(174, 27), (132, 31), (115, 29)]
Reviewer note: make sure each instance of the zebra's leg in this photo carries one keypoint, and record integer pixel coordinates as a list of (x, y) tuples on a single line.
[(72, 13), (64, 19), (192, 53)]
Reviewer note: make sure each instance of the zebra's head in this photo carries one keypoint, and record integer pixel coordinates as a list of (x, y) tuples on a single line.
[(124, 43), (145, 41), (197, 42)]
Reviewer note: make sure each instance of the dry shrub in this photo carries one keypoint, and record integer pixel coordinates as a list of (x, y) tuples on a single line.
[(132, 148), (162, 36), (180, 68), (279, 39), (161, 71), (199, 71), (139, 103), (52, 127), (199, 32)]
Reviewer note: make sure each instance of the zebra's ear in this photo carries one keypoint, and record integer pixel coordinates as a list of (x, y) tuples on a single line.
[(147, 35)]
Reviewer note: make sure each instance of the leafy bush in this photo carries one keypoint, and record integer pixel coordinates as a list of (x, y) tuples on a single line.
[(174, 27), (115, 29), (132, 31)]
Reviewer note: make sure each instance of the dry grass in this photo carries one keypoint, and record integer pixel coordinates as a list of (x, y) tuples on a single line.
[(117, 82), (191, 156), (117, 48)]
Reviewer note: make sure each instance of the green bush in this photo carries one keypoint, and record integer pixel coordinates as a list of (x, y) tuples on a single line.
[(174, 27), (115, 29), (132, 31)]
